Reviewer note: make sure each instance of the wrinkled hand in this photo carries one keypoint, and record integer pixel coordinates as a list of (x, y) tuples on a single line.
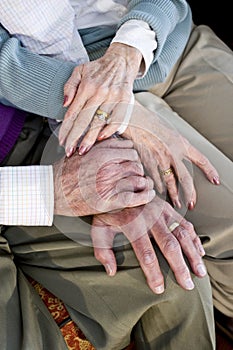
[(139, 225), (162, 147), (106, 84), (108, 177)]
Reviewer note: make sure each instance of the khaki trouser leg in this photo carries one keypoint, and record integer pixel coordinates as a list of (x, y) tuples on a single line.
[(105, 308), (200, 90), (175, 322), (213, 214), (26, 324)]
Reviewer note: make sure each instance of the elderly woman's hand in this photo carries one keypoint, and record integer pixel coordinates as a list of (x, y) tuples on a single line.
[(166, 154), (158, 220), (109, 177), (97, 93)]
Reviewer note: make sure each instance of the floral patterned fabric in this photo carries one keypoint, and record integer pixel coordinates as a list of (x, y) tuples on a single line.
[(74, 337)]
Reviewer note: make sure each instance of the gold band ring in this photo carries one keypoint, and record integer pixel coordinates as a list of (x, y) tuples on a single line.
[(173, 226), (166, 172), (102, 115)]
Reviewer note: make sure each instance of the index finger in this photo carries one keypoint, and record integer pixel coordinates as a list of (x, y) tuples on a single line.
[(119, 143), (204, 164), (118, 155)]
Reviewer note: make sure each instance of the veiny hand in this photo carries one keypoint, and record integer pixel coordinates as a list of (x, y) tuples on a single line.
[(139, 225), (162, 147), (108, 177), (104, 84)]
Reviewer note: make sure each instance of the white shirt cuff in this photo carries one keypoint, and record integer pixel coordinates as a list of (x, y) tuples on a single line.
[(26, 195), (138, 34)]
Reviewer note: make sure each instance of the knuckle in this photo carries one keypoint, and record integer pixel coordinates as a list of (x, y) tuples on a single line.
[(99, 255), (171, 245), (170, 181), (139, 181), (202, 161), (138, 168), (182, 270), (87, 88), (103, 90), (115, 93), (70, 116), (187, 183), (155, 280), (134, 155), (189, 226), (150, 181), (148, 257), (71, 83), (183, 178), (182, 234), (127, 198)]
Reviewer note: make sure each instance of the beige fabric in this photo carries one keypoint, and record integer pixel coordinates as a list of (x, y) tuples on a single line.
[(202, 93), (105, 308)]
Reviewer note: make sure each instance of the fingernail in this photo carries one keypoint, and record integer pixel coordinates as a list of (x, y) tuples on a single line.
[(177, 204), (84, 149), (65, 100), (88, 148), (216, 180), (191, 205), (101, 136), (81, 150), (109, 270), (189, 284), (159, 289), (70, 151), (201, 270)]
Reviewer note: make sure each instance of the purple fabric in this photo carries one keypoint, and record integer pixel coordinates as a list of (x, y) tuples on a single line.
[(11, 123)]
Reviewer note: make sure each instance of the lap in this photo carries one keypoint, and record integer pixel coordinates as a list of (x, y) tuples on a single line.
[(69, 270), (201, 94)]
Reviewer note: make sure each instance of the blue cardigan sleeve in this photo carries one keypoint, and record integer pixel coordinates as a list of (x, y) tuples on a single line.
[(35, 83), (31, 82)]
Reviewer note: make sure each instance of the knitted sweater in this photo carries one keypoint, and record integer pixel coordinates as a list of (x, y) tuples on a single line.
[(35, 83)]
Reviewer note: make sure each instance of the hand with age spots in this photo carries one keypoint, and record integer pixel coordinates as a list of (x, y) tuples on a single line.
[(141, 224), (107, 178), (163, 150), (105, 84)]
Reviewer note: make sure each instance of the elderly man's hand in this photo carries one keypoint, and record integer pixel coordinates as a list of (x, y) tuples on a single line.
[(158, 220), (107, 178)]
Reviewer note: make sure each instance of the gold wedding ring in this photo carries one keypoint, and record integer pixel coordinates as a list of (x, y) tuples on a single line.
[(173, 226), (102, 115), (166, 172)]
